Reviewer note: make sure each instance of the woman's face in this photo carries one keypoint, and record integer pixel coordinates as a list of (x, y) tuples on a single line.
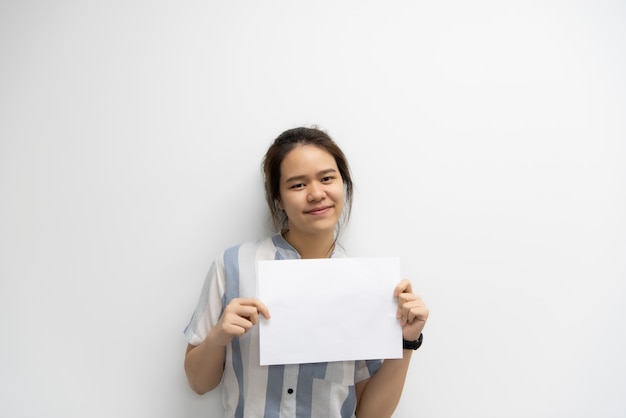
[(311, 190)]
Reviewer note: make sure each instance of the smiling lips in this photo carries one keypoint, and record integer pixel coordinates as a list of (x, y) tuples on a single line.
[(318, 211)]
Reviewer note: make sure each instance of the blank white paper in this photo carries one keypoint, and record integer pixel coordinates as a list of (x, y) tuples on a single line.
[(326, 310)]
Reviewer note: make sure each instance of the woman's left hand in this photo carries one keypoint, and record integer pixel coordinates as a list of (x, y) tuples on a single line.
[(412, 311)]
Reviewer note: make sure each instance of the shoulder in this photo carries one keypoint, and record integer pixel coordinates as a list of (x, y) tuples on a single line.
[(249, 251), (251, 244)]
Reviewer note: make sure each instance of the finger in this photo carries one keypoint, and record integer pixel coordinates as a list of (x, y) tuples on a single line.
[(403, 287), (404, 298), (239, 319), (417, 313), (410, 316), (250, 314), (411, 305), (410, 300), (260, 306), (263, 310), (234, 329), (244, 311)]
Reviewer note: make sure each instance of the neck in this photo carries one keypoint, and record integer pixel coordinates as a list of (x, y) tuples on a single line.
[(311, 246)]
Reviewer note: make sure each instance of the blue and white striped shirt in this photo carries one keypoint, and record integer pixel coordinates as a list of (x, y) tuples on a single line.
[(317, 390)]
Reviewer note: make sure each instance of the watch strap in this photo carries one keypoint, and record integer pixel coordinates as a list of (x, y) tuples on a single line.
[(413, 345)]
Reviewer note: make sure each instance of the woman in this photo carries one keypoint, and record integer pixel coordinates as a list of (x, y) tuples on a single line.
[(308, 188)]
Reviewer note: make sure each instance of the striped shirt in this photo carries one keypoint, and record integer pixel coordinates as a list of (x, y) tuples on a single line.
[(317, 390)]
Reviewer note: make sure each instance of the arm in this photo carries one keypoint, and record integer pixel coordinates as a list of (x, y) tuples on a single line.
[(204, 363), (379, 396)]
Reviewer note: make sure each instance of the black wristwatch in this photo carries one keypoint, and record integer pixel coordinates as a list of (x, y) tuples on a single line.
[(413, 345)]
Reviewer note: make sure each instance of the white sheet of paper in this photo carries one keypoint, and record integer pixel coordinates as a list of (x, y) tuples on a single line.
[(332, 309)]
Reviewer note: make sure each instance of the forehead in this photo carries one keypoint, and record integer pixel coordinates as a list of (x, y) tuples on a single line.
[(307, 159)]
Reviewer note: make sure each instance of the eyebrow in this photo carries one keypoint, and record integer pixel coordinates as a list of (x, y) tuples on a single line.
[(302, 176)]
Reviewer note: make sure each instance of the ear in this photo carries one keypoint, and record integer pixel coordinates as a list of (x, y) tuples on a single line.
[(278, 204)]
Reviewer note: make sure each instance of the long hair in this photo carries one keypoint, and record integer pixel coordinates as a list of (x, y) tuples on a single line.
[(277, 152)]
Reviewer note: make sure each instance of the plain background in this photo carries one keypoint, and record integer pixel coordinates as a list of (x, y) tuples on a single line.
[(487, 141)]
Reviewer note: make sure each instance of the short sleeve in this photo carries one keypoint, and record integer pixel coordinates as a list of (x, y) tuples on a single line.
[(364, 369), (209, 307)]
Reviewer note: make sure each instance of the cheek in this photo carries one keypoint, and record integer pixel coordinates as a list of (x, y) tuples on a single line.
[(288, 204), (339, 194)]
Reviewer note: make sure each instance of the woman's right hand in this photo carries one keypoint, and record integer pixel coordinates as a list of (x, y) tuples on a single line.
[(239, 316)]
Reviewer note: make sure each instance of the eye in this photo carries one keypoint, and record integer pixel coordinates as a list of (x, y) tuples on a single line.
[(327, 179), (297, 186)]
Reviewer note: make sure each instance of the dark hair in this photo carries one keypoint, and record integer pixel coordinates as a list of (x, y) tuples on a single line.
[(275, 155)]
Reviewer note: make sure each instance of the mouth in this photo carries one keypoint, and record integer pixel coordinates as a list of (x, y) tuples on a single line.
[(319, 211)]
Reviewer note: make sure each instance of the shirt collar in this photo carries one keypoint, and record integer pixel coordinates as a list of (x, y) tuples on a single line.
[(287, 252)]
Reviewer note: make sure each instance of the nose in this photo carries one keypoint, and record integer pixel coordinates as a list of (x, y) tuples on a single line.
[(316, 192)]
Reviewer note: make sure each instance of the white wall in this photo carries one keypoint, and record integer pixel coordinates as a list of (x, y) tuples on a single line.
[(487, 141)]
